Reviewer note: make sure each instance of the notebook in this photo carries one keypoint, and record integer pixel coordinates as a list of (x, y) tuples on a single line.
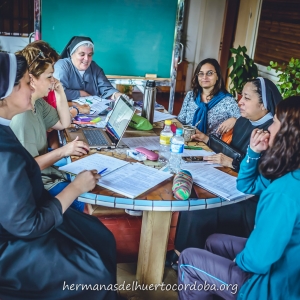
[(110, 136), (128, 179), (215, 181)]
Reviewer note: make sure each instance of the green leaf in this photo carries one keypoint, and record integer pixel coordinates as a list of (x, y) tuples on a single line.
[(239, 72), (232, 50), (239, 60), (291, 64), (297, 75), (298, 89), (269, 68), (230, 62), (244, 49)]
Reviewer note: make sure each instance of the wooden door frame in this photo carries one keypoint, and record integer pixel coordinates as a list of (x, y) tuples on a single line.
[(228, 31)]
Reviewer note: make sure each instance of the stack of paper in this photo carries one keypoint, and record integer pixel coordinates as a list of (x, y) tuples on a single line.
[(159, 116), (129, 179), (215, 181), (96, 103)]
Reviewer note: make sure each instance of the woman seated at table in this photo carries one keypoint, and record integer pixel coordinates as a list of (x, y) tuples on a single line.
[(30, 127), (80, 75), (50, 53), (46, 248), (257, 107), (209, 106), (266, 266)]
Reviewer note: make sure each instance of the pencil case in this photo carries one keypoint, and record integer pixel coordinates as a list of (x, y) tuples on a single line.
[(150, 154), (82, 118)]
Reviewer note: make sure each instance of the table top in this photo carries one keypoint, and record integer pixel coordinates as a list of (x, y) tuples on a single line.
[(160, 197)]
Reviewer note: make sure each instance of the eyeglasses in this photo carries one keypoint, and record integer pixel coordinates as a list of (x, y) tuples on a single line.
[(208, 74), (39, 54)]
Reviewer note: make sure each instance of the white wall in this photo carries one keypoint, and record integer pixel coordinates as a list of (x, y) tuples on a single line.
[(204, 29), (12, 43)]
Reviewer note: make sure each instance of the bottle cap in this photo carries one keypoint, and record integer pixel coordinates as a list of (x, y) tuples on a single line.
[(168, 122), (179, 131)]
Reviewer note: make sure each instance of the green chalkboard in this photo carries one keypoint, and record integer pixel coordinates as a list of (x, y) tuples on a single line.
[(131, 37)]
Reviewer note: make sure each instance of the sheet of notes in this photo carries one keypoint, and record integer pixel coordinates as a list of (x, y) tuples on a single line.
[(133, 179), (95, 161), (215, 181)]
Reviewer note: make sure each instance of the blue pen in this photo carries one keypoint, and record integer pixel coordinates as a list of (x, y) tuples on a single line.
[(101, 172)]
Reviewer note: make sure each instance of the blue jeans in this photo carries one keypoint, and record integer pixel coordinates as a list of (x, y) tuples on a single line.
[(59, 187)]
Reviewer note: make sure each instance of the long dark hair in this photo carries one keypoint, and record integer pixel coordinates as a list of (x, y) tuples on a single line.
[(219, 86), (22, 67), (283, 157)]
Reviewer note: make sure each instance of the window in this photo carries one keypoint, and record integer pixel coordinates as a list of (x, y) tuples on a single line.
[(278, 37), (16, 17)]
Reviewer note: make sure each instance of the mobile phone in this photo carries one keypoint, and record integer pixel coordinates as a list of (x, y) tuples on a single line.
[(192, 159)]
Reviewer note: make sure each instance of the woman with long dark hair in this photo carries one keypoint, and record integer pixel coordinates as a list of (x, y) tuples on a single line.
[(266, 265), (209, 106)]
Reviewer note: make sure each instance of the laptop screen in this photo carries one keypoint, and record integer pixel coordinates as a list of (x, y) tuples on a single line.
[(120, 117)]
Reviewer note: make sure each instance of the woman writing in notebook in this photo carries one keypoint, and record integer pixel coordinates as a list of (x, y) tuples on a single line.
[(45, 246), (257, 107), (30, 127), (209, 106)]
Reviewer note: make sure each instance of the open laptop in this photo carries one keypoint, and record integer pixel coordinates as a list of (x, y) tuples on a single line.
[(110, 136)]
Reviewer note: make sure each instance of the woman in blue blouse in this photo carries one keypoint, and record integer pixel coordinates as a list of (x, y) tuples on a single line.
[(209, 106), (266, 265)]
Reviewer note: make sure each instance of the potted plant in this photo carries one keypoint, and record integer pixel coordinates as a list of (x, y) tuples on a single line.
[(288, 77), (243, 69)]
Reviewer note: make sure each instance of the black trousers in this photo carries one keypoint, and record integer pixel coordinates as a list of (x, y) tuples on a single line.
[(194, 227)]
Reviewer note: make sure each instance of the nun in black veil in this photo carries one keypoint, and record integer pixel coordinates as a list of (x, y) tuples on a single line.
[(47, 250), (79, 74), (257, 108)]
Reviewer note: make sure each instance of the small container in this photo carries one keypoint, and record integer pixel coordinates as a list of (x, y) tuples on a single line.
[(149, 101), (188, 131)]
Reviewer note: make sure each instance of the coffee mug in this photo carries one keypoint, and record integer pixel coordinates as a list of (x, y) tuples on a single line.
[(188, 131)]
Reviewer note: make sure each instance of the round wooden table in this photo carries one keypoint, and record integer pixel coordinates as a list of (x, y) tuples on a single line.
[(157, 205)]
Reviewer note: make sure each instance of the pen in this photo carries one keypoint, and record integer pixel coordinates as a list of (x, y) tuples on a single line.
[(101, 172), (197, 123), (193, 147), (88, 101)]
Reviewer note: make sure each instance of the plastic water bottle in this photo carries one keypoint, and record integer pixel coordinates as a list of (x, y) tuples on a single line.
[(177, 146), (165, 142)]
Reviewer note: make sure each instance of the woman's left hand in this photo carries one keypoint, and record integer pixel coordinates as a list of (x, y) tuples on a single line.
[(57, 87), (220, 159), (226, 125), (259, 140)]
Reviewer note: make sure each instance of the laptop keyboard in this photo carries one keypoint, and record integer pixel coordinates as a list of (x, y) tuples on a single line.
[(95, 137)]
